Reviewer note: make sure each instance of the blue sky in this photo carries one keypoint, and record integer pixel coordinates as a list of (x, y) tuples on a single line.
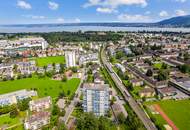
[(67, 11)]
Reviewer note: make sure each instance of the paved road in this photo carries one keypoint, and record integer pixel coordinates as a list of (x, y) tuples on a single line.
[(69, 109), (134, 105)]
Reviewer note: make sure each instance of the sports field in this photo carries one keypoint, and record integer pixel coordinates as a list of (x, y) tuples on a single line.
[(49, 60), (44, 86), (177, 111)]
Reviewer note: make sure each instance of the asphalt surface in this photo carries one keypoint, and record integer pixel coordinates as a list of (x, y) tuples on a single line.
[(133, 104)]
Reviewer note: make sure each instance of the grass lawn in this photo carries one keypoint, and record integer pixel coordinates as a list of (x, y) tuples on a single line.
[(45, 86), (177, 111), (158, 65), (49, 60), (136, 91), (6, 120)]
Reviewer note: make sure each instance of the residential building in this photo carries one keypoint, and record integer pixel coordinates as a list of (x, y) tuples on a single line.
[(37, 120), (70, 59), (86, 58), (147, 92), (120, 67), (96, 98), (167, 92), (13, 97), (136, 82), (40, 104)]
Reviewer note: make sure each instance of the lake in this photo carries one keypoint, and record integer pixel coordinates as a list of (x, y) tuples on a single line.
[(12, 29)]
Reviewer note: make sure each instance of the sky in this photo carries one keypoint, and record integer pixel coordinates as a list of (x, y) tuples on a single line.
[(76, 11)]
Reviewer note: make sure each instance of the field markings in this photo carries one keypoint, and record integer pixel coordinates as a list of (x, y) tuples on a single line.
[(166, 118)]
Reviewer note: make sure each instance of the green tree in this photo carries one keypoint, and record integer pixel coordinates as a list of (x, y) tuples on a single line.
[(23, 104), (149, 73), (64, 78), (87, 121), (14, 113), (163, 75)]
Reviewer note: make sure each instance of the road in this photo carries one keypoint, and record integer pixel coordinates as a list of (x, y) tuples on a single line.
[(133, 104), (69, 109)]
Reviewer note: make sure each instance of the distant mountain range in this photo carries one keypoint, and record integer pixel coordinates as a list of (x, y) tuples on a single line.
[(181, 21)]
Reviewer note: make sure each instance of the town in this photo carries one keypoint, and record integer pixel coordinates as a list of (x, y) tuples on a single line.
[(136, 80)]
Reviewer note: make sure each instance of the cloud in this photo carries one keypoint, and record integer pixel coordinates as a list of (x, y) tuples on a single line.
[(34, 16), (163, 13), (182, 1), (147, 12), (180, 12), (77, 20), (137, 18), (23, 4), (53, 5), (60, 20), (105, 10), (115, 3)]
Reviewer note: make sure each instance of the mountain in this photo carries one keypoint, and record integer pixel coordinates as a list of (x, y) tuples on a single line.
[(181, 21)]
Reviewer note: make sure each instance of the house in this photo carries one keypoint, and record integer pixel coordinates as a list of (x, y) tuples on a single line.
[(57, 68), (26, 67), (40, 104), (166, 92), (120, 67), (49, 68), (86, 58), (147, 92), (98, 79), (37, 121), (41, 70), (136, 82), (13, 97), (127, 51)]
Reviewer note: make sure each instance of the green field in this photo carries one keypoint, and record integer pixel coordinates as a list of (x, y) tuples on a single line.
[(158, 65), (6, 120), (44, 86), (49, 60), (177, 111)]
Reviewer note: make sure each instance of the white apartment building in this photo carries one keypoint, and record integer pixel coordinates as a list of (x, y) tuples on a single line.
[(13, 97), (96, 98), (70, 58), (31, 42)]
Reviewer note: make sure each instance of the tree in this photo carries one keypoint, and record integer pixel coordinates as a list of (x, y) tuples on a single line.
[(119, 54), (148, 61), (186, 56), (23, 104), (163, 75), (104, 123), (62, 68), (164, 66), (62, 94), (64, 79), (149, 73), (68, 92), (14, 113), (74, 69), (87, 121), (55, 110), (184, 68), (121, 118)]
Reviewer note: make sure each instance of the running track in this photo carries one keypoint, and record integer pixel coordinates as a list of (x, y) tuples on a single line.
[(166, 118)]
